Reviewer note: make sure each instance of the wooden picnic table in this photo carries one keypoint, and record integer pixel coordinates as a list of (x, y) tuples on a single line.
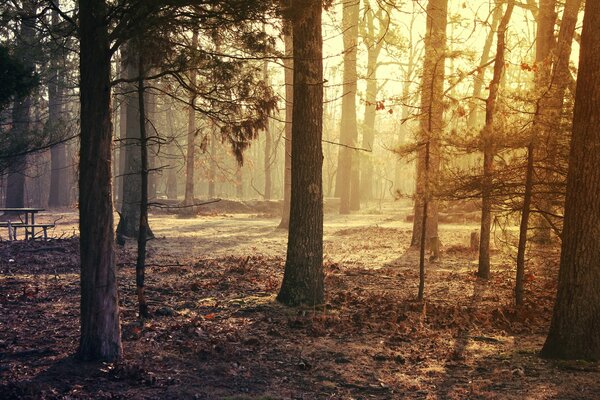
[(29, 222)]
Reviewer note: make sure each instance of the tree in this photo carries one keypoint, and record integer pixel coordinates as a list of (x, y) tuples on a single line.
[(59, 185), (576, 318), (100, 329), (430, 120), (191, 136), (347, 162), (549, 110), (15, 181), (288, 64), (374, 40), (303, 276), (489, 151)]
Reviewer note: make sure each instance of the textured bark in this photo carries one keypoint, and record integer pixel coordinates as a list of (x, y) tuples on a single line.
[(288, 64), (489, 147), (347, 159), (100, 330), (431, 119), (303, 276), (575, 327)]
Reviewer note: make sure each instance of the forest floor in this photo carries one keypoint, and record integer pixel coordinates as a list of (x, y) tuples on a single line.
[(217, 332)]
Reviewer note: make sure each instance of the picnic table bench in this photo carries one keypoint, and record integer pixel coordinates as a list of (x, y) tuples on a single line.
[(28, 224)]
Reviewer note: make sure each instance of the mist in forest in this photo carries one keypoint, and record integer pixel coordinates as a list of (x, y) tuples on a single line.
[(299, 199)]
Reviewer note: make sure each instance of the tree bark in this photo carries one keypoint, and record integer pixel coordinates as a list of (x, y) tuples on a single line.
[(303, 276), (576, 319), (100, 329), (347, 160), (431, 119), (140, 266)]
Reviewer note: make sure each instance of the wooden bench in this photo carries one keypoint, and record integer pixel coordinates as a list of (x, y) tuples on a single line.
[(29, 229)]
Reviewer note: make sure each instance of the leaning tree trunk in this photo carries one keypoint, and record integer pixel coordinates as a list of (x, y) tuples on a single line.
[(489, 150), (347, 161), (303, 276), (288, 64), (100, 330), (576, 319), (431, 119)]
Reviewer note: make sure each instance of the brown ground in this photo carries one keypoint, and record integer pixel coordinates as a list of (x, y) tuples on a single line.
[(218, 334)]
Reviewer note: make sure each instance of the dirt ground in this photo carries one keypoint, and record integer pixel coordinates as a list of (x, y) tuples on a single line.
[(217, 332)]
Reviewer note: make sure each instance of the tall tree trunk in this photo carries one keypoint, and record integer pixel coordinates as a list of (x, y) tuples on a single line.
[(545, 43), (268, 145), (21, 112), (288, 64), (431, 119), (212, 169), (151, 142), (123, 144), (100, 329), (524, 227), (556, 94), (474, 111), (303, 276), (59, 186), (132, 185), (347, 161), (576, 319), (550, 113), (374, 45), (191, 137), (489, 147), (140, 266), (172, 169)]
